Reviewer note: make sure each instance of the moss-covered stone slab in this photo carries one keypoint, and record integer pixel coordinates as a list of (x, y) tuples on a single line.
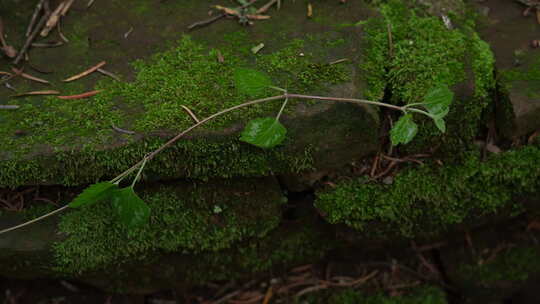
[(496, 273), (510, 34), (429, 200), (186, 217), (70, 142), (412, 49)]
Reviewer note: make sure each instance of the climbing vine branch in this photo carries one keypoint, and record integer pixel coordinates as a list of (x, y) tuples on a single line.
[(265, 133)]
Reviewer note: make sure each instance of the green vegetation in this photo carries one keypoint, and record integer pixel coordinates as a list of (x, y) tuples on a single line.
[(426, 200), (420, 295), (514, 264), (182, 220), (80, 135), (425, 53)]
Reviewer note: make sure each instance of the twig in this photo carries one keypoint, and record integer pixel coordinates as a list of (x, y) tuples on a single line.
[(206, 21), (38, 8), (126, 34), (28, 76), (32, 36), (151, 155), (53, 19), (59, 28), (105, 72), (51, 44), (90, 3), (79, 96), (32, 93), (310, 289), (268, 295), (385, 171), (190, 113), (121, 130), (339, 61), (232, 294), (215, 18), (265, 7), (9, 107), (82, 74)]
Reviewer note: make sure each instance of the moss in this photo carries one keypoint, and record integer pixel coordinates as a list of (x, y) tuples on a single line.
[(420, 295), (514, 264), (288, 245), (424, 53), (79, 132), (183, 219), (429, 199)]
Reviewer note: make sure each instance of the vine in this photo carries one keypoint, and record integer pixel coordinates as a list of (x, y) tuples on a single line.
[(265, 133)]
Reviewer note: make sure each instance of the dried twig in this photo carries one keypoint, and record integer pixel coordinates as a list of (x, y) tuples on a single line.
[(32, 36), (28, 76), (190, 113), (310, 289), (51, 44), (268, 295), (105, 72), (9, 107), (33, 20), (79, 96), (53, 19), (215, 18), (82, 74), (265, 7), (59, 28), (32, 93), (117, 129)]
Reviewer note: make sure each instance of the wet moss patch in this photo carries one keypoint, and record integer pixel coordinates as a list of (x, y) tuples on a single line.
[(185, 217), (428, 200)]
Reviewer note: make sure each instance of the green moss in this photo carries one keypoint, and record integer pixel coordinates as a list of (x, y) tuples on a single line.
[(514, 264), (183, 219), (80, 135), (429, 199), (420, 295), (424, 53), (284, 247)]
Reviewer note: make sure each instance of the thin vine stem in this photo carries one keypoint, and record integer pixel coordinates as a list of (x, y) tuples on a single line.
[(151, 155)]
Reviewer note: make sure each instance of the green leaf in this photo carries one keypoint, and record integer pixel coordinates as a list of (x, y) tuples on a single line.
[(439, 122), (437, 101), (93, 194), (264, 132), (404, 130), (251, 82), (131, 209)]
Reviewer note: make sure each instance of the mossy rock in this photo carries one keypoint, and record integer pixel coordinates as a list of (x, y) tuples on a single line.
[(509, 35), (411, 51), (71, 142), (296, 243), (497, 278), (186, 217), (428, 200)]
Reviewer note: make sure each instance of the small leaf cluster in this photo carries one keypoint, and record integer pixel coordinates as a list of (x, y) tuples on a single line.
[(437, 103), (130, 208), (269, 132)]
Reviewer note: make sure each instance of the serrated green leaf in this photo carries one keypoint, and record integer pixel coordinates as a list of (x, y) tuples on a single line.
[(130, 208), (93, 194), (264, 132), (439, 122), (437, 101), (404, 130), (251, 82)]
